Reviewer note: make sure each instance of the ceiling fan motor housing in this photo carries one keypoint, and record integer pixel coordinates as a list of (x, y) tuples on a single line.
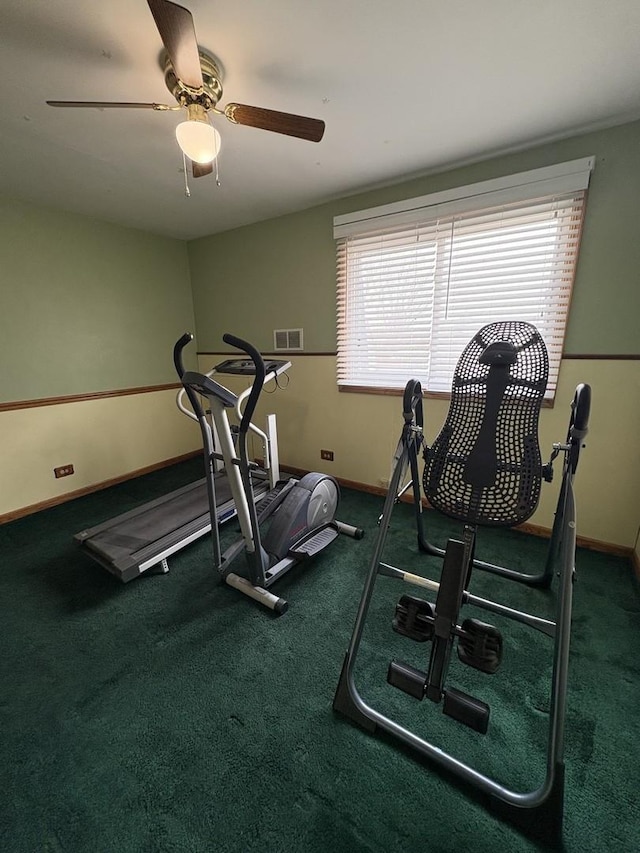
[(211, 91)]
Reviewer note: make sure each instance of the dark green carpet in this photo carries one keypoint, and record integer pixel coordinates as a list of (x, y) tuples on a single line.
[(173, 714)]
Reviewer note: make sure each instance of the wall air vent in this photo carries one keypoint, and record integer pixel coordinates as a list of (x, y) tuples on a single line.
[(287, 339)]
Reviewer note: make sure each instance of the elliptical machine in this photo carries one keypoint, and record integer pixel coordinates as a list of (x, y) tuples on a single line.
[(300, 513)]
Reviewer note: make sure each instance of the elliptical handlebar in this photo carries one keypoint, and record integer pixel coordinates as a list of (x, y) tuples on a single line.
[(180, 369), (177, 353), (258, 379)]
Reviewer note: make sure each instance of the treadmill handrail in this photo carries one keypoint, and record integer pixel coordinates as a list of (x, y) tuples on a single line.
[(272, 374), (258, 379)]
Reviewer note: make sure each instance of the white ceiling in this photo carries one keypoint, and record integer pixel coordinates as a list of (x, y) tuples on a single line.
[(404, 86)]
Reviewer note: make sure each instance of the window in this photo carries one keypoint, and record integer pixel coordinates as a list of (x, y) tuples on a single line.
[(417, 279)]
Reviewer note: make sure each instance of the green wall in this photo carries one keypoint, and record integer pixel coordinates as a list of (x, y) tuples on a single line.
[(281, 273), (86, 306), (278, 274)]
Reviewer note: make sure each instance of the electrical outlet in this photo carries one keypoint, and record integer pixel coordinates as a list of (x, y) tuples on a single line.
[(327, 454), (63, 471)]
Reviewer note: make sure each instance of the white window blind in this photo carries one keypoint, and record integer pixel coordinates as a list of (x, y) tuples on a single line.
[(412, 295)]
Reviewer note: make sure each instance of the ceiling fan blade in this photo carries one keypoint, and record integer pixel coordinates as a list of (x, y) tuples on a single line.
[(105, 105), (178, 34), (311, 129), (201, 169)]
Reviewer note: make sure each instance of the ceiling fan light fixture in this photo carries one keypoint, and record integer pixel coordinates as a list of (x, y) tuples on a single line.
[(197, 138)]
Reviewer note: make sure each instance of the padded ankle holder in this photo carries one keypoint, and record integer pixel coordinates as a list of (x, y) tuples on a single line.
[(407, 678), (480, 645), (414, 618), (466, 709)]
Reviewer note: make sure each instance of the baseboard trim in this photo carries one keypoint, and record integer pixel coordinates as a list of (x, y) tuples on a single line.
[(582, 541), (532, 529), (95, 487)]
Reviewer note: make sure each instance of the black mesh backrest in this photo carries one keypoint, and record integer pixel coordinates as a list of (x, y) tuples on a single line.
[(485, 465)]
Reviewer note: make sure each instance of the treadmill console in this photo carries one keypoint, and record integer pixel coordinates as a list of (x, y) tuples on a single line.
[(245, 367)]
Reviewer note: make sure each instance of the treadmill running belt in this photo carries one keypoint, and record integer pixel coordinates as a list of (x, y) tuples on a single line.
[(133, 534), (144, 536), (128, 536)]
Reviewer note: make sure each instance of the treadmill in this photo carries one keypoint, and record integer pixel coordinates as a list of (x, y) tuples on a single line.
[(143, 539)]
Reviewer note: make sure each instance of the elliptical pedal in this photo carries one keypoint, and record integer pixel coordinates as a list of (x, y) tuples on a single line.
[(314, 543)]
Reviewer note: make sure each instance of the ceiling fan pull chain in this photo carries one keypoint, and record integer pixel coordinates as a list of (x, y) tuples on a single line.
[(187, 191), (217, 178)]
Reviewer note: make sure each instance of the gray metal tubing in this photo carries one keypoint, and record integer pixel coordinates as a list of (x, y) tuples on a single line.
[(230, 555), (546, 626), (207, 438), (527, 800), (402, 458), (503, 571), (565, 596)]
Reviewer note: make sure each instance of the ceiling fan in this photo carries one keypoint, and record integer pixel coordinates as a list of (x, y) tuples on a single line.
[(193, 77)]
